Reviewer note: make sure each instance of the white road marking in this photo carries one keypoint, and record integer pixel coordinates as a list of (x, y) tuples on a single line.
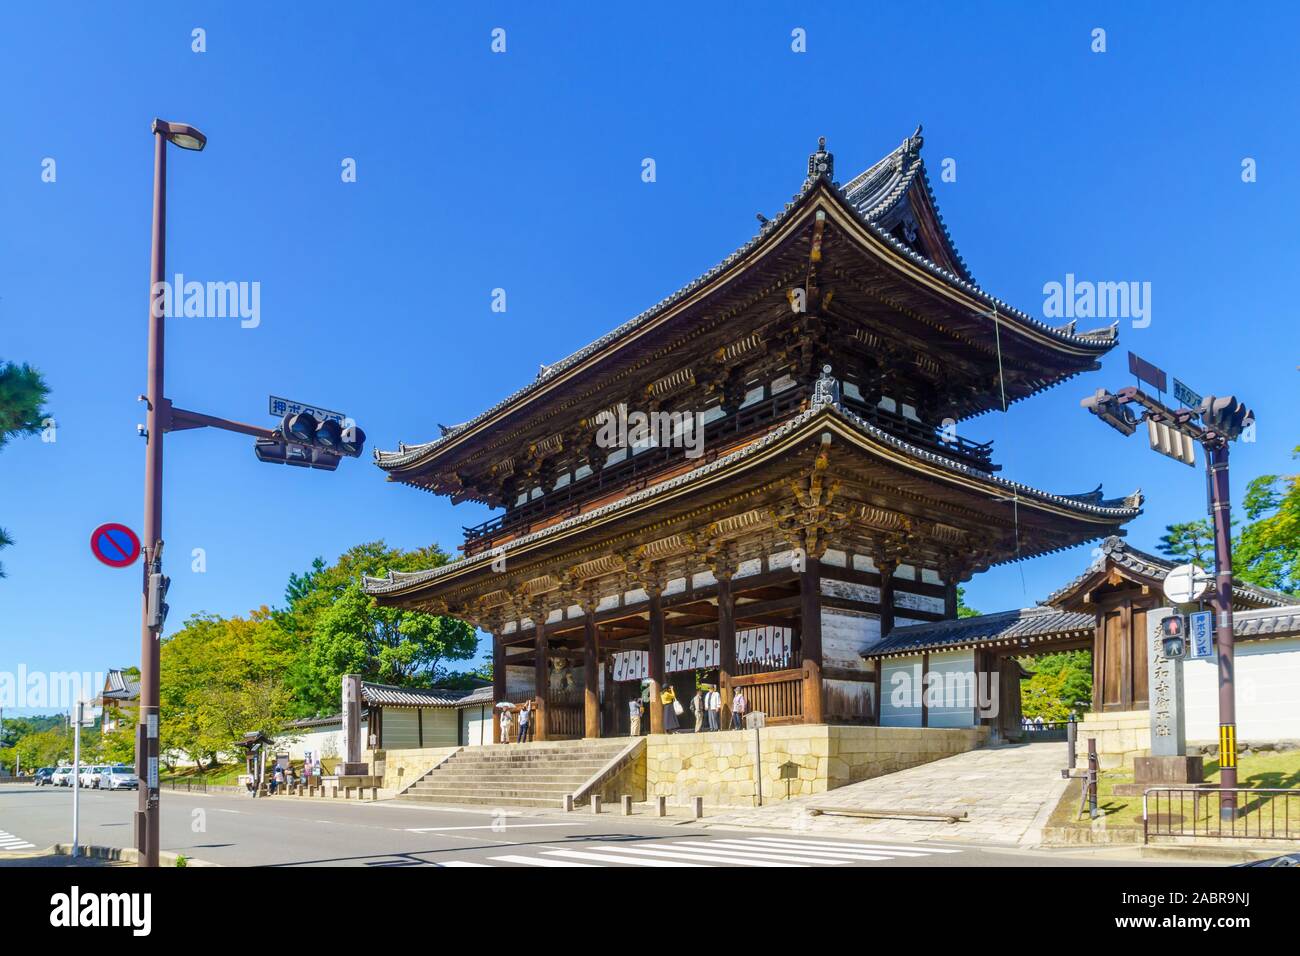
[(763, 854), (605, 860), (9, 841), (835, 845), (460, 863), (815, 854), (485, 826), (537, 861), (731, 859)]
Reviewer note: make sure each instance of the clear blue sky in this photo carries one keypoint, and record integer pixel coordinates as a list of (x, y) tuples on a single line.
[(522, 171)]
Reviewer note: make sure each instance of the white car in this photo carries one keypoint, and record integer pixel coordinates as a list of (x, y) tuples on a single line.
[(89, 777), (118, 777), (62, 777)]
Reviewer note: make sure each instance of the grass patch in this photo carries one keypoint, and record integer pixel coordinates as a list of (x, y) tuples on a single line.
[(1279, 770)]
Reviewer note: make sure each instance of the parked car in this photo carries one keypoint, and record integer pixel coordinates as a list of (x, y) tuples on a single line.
[(42, 777), (62, 777), (119, 777), (89, 777)]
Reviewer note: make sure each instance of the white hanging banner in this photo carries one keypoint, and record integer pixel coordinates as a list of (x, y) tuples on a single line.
[(699, 654), (631, 665), (763, 644)]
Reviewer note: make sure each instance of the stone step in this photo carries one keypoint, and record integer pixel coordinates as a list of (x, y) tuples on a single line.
[(503, 787), (485, 795), (477, 800), (470, 779), (557, 766)]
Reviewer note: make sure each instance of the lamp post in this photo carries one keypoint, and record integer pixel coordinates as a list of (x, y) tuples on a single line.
[(146, 751)]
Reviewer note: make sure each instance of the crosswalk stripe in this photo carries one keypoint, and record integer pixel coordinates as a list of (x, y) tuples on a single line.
[(837, 856), (627, 861), (537, 861), (765, 853), (460, 863), (730, 858), (832, 845)]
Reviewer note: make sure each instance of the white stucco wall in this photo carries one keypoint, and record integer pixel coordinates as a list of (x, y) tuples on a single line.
[(1268, 692), (900, 704)]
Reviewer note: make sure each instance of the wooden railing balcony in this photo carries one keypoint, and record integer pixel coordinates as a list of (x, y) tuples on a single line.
[(637, 471)]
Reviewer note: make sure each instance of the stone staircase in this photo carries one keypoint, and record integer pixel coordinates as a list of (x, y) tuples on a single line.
[(534, 775)]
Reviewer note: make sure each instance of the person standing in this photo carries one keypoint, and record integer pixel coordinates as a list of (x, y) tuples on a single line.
[(738, 708), (634, 715), (669, 699), (714, 705), (525, 720), (504, 721), (697, 708)]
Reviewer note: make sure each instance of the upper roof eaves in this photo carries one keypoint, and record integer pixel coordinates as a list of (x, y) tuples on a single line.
[(868, 205)]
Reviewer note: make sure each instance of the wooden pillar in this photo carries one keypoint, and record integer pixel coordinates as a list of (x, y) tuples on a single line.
[(541, 672), (810, 638), (590, 673), (498, 681), (656, 659), (950, 599), (726, 641), (880, 687), (925, 706), (886, 569)]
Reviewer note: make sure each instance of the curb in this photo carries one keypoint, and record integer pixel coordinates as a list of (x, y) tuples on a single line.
[(123, 854)]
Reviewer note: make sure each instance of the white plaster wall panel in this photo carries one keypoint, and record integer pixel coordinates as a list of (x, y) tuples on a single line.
[(851, 591), (958, 692), (845, 636), (907, 601), (899, 704), (1268, 692), (835, 558)]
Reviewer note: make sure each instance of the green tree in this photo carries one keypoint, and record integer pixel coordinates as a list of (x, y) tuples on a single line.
[(222, 677), (1059, 684), (344, 631), (22, 399), (1267, 552), (1189, 542), (962, 609)]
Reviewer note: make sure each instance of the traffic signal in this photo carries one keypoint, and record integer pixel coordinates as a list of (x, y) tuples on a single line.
[(279, 452), (157, 603), (308, 442), (1173, 636), (1107, 407), (1226, 416)]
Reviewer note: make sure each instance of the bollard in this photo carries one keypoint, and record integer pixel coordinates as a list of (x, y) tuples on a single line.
[(699, 807), (595, 803), (568, 803), (1072, 739), (1093, 812), (661, 806), (627, 805)]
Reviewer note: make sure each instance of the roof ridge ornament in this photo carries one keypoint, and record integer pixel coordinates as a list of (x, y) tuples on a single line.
[(821, 164)]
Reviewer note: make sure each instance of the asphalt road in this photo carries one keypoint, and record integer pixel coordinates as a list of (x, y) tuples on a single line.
[(233, 830)]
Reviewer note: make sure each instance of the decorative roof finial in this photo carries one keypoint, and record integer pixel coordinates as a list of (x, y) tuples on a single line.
[(821, 163)]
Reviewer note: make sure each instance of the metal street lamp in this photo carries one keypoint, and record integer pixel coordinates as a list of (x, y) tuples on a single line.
[(146, 751)]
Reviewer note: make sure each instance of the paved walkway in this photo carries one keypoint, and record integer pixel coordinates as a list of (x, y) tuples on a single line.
[(1007, 792)]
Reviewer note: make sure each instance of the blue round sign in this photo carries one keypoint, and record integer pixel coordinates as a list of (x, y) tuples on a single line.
[(115, 544)]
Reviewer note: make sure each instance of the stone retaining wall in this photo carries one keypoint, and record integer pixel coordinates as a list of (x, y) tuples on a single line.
[(403, 767), (720, 767)]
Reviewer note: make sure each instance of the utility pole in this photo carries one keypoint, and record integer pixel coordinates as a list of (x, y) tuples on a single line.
[(1222, 420), (302, 440), (76, 780)]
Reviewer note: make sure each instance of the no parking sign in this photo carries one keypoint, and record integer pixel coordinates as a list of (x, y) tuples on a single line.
[(115, 545)]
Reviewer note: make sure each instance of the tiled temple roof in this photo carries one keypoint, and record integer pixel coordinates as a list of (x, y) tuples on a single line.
[(1025, 625), (1146, 565), (1125, 510), (870, 196)]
